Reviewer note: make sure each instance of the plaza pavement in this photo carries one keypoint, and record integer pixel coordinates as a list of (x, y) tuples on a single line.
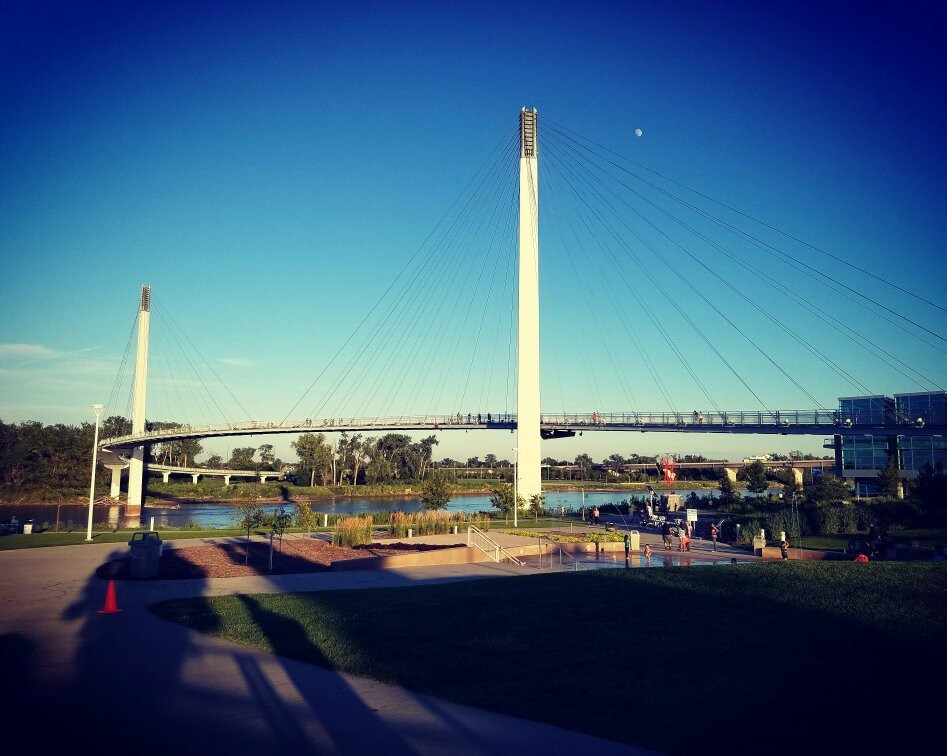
[(73, 677)]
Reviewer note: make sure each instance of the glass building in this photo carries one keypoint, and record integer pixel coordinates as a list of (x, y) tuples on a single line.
[(917, 451), (863, 456), (864, 452), (923, 408), (929, 407), (864, 410)]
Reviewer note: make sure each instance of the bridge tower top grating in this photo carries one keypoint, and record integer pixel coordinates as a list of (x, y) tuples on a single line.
[(528, 133)]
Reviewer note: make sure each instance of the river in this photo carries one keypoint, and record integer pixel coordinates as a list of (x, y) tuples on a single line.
[(220, 514)]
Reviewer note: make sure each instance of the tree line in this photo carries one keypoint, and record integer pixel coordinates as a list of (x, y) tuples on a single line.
[(56, 457)]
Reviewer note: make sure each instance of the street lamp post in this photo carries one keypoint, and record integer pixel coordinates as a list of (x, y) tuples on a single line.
[(516, 502), (97, 408)]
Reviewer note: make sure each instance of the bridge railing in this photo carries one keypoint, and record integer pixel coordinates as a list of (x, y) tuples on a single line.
[(821, 418), (324, 424), (741, 418)]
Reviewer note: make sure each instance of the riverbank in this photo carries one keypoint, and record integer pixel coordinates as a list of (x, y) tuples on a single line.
[(170, 494)]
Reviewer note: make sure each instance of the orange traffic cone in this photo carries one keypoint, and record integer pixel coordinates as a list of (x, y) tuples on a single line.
[(111, 605)]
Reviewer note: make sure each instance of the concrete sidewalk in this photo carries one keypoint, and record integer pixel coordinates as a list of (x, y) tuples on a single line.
[(133, 681)]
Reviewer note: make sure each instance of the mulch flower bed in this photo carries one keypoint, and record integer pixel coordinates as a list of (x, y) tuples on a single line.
[(227, 559)]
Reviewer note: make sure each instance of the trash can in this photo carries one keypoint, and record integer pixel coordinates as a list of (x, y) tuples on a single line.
[(27, 527), (634, 540), (146, 549)]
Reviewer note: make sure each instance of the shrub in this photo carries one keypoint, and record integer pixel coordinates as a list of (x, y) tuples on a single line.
[(848, 518), (826, 520), (352, 531)]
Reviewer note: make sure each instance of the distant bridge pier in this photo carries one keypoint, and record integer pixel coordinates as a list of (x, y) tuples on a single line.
[(796, 475), (195, 477), (731, 473), (136, 464), (226, 480), (116, 489), (165, 477)]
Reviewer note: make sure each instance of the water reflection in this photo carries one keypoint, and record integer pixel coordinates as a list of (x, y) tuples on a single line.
[(218, 514)]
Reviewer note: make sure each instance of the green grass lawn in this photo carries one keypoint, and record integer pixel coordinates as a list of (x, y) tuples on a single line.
[(926, 536), (75, 537), (719, 659)]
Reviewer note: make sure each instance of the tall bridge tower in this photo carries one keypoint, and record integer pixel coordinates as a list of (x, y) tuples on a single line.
[(136, 463), (527, 384)]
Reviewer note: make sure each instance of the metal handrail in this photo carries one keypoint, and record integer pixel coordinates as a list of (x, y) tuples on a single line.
[(476, 537), (575, 562)]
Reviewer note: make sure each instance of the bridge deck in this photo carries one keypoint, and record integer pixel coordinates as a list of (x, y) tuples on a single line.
[(793, 422)]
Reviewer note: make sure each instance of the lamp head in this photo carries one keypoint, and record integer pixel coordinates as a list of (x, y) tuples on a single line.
[(97, 408)]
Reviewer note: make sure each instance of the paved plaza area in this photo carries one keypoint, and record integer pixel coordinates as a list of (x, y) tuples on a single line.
[(74, 677)]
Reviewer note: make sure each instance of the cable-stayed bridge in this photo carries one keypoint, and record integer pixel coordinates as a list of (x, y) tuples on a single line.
[(661, 259)]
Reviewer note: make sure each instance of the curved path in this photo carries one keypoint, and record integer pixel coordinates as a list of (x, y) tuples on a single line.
[(135, 682)]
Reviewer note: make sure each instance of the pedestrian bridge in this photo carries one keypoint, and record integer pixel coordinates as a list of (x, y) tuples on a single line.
[(789, 422)]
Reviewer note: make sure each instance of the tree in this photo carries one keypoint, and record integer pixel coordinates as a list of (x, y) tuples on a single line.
[(490, 461), (501, 497), (889, 478), (425, 451), (827, 490), (214, 462), (791, 489), (930, 492), (267, 458), (116, 425), (279, 520), (436, 490), (379, 471), (241, 458), (394, 448), (584, 463), (305, 517), (755, 475), (314, 456), (360, 450), (249, 514), (728, 492), (537, 504)]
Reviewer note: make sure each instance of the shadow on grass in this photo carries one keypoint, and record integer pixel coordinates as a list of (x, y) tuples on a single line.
[(721, 659), (349, 723)]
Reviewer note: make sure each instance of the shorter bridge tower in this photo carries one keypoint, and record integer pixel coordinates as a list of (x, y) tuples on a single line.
[(136, 463)]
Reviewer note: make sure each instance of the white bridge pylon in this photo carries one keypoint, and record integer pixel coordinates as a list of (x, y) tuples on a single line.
[(528, 453)]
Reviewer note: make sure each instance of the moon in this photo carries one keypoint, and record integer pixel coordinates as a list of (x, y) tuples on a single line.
[(638, 132)]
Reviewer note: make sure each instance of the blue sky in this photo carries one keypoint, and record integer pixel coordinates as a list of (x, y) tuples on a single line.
[(269, 170)]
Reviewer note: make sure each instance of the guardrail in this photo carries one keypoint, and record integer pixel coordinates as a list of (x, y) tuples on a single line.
[(476, 537)]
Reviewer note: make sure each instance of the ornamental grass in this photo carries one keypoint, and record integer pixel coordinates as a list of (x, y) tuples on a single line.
[(432, 523), (352, 531)]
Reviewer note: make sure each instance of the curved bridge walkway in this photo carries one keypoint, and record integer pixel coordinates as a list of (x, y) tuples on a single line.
[(791, 422)]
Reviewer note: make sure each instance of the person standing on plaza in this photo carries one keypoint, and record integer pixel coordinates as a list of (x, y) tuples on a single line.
[(666, 535), (595, 515), (784, 550), (681, 535), (714, 532), (627, 546)]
